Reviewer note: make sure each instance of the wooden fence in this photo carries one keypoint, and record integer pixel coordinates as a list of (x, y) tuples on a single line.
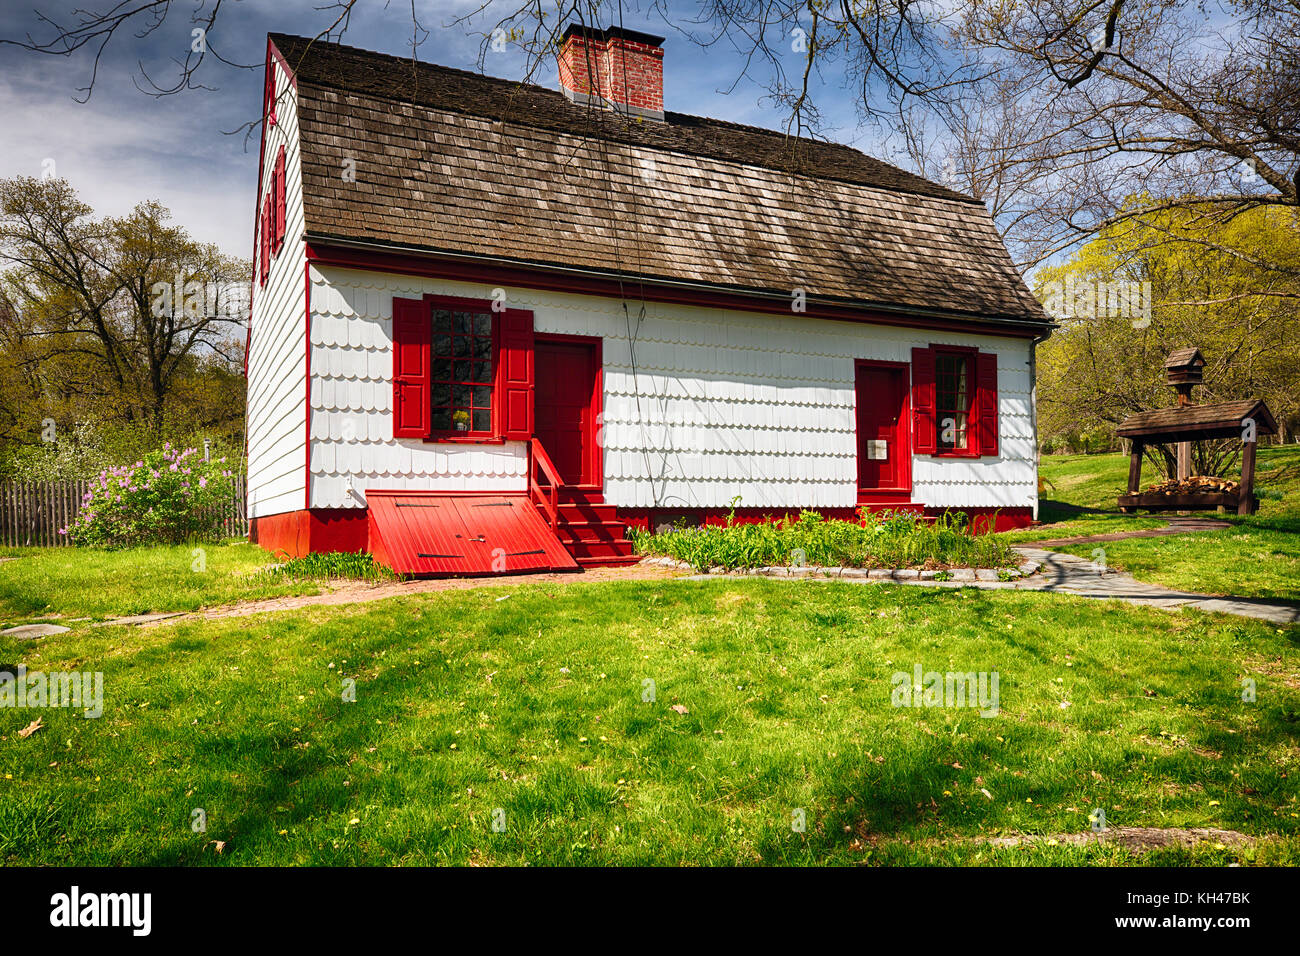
[(32, 512)]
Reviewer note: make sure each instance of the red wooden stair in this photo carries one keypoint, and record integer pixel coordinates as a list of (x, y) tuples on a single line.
[(588, 528)]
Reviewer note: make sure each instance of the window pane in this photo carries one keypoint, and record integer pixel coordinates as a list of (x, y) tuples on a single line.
[(482, 421), (441, 370), (462, 372), (482, 396), (441, 394), (482, 324), (463, 324), (482, 348), (462, 346), (442, 345), (460, 396), (481, 372), (441, 321), (442, 419)]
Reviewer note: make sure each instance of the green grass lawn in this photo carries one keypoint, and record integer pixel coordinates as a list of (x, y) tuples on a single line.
[(92, 582), (532, 702), (1258, 557)]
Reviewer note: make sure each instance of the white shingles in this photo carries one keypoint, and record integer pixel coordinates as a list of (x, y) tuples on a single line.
[(722, 403)]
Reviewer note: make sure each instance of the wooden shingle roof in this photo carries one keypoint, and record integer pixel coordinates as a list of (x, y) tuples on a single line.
[(1224, 420), (456, 162)]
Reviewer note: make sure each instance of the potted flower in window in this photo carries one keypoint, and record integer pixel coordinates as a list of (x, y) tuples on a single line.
[(460, 419)]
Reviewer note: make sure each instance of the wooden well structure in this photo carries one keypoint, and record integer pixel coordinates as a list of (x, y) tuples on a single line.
[(1185, 423)]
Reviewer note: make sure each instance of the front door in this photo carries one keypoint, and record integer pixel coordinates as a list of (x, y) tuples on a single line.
[(884, 451), (566, 405)]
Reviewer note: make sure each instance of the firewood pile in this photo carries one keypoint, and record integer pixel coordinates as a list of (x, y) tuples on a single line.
[(1196, 485)]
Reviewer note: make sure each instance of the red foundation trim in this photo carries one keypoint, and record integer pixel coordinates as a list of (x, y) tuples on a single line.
[(1008, 519), (296, 533)]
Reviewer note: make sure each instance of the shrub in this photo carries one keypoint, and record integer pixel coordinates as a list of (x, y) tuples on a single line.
[(893, 539), (168, 497)]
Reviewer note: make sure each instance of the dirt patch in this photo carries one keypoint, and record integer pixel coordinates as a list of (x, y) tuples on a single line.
[(1133, 839)]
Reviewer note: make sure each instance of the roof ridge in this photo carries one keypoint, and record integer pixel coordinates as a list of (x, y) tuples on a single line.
[(608, 124)]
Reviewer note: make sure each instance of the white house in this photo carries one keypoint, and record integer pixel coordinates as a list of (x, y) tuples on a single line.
[(494, 325)]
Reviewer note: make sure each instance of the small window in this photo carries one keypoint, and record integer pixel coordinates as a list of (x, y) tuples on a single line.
[(463, 366), (952, 400)]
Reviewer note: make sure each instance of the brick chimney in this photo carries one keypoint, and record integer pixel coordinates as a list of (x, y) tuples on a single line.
[(616, 69)]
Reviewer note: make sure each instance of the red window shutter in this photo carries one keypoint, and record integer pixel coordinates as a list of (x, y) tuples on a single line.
[(412, 330), (278, 193), (514, 411), (986, 403), (264, 228), (923, 432)]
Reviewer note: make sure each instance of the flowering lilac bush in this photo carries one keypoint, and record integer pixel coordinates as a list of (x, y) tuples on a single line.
[(170, 496)]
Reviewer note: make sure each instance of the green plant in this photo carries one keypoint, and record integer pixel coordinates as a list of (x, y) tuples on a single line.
[(335, 564), (878, 539), (167, 497)]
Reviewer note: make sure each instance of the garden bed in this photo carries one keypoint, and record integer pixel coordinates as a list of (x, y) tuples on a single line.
[(882, 540), (863, 574)]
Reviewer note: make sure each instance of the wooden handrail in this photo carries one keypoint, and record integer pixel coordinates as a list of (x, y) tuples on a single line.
[(546, 498)]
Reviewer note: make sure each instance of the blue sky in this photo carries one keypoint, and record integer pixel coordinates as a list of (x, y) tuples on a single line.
[(124, 146)]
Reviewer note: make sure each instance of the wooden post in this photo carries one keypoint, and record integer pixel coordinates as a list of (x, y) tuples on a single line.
[(1134, 471), (1184, 460), (1135, 468), (1246, 495)]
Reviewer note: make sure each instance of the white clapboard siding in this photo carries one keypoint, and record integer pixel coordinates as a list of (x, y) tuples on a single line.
[(722, 404), (277, 372)]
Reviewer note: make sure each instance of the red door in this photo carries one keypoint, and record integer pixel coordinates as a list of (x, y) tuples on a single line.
[(884, 450), (564, 407)]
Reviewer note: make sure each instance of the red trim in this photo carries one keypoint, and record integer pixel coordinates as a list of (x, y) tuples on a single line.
[(1008, 519), (902, 493), (972, 449), (538, 277), (306, 279), (296, 533), (274, 51), (453, 304), (596, 406)]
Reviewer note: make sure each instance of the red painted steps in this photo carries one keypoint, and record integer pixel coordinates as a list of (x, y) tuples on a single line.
[(591, 532)]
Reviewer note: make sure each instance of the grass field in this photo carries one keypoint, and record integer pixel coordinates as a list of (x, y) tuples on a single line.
[(530, 707), (1258, 557), (92, 582)]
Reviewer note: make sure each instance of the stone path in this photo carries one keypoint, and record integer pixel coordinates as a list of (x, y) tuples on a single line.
[(1069, 574)]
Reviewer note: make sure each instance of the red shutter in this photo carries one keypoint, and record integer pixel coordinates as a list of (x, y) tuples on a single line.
[(514, 403), (279, 200), (264, 227), (986, 403), (923, 401), (412, 329)]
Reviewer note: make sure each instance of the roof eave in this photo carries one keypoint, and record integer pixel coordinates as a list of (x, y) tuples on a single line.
[(958, 320)]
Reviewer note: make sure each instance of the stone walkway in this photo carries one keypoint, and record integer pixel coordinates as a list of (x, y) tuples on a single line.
[(1069, 574)]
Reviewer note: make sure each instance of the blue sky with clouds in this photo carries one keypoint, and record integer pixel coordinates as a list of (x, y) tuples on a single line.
[(124, 146)]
